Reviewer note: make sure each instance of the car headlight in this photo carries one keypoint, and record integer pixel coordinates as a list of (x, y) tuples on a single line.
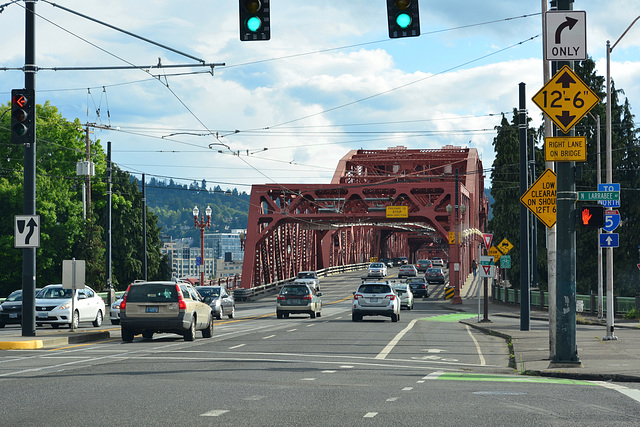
[(64, 306)]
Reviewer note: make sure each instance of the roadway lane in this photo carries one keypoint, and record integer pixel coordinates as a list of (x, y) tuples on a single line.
[(259, 370)]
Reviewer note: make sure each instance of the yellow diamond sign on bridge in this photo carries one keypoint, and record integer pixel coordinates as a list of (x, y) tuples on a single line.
[(565, 99)]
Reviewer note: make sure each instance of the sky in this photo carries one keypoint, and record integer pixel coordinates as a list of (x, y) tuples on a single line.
[(287, 110)]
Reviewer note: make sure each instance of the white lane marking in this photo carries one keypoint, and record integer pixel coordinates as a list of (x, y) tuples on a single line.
[(308, 379), (267, 337), (237, 346), (385, 351), (329, 372), (254, 398), (629, 392), (291, 330), (346, 366), (482, 361), (392, 399), (214, 413), (407, 389), (310, 325), (420, 382), (370, 414), (434, 375)]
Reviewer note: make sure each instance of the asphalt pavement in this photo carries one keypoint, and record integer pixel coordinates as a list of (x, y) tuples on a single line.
[(599, 359)]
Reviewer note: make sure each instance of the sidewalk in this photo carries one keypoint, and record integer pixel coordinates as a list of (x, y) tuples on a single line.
[(615, 360)]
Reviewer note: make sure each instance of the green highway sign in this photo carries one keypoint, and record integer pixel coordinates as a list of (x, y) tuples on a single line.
[(598, 195)]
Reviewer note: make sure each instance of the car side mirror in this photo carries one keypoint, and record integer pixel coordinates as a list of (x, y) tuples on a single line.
[(319, 294)]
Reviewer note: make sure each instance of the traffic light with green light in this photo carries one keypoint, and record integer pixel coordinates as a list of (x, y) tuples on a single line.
[(22, 115), (404, 18), (591, 216), (254, 20)]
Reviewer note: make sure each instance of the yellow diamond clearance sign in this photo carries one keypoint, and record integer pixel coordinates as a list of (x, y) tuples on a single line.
[(540, 198), (565, 99)]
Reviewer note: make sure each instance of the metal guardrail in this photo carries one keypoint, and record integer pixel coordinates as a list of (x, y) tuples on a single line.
[(540, 300), (241, 294)]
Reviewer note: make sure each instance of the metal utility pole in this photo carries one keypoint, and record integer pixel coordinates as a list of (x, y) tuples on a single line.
[(524, 216), (88, 179), (144, 227), (110, 292), (566, 349), (29, 188)]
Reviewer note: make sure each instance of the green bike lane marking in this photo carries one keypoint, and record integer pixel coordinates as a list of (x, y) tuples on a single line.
[(501, 378), (454, 317)]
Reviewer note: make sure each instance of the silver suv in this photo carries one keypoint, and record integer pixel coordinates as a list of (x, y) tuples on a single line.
[(174, 307), (375, 299)]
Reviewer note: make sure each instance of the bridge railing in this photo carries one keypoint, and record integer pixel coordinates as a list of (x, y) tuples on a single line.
[(242, 294)]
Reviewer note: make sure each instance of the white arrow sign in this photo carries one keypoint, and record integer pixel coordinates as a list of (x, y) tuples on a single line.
[(566, 35)]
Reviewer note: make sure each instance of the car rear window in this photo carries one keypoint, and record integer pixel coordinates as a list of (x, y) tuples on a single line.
[(374, 289), (209, 292), (294, 290), (153, 292)]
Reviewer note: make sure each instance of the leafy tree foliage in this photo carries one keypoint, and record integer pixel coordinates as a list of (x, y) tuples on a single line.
[(64, 233)]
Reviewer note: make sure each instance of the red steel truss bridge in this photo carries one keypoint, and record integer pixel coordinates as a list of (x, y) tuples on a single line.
[(299, 227)]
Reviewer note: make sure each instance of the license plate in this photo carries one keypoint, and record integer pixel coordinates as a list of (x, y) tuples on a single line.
[(294, 301), (374, 300), (43, 315), (13, 315), (152, 309)]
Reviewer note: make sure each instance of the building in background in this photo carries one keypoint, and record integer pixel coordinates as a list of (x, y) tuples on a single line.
[(223, 255)]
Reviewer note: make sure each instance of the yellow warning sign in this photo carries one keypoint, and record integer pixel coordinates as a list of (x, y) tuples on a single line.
[(495, 253), (565, 99), (565, 149), (397, 211), (452, 237), (505, 246), (540, 198)]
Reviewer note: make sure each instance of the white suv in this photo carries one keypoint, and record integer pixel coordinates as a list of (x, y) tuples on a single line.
[(375, 299)]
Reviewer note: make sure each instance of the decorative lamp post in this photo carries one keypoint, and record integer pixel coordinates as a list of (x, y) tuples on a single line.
[(202, 225)]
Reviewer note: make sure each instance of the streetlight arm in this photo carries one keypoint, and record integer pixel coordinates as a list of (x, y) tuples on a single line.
[(625, 32)]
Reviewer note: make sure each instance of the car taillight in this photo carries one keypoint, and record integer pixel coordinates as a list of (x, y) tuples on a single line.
[(391, 297), (182, 305), (281, 297), (306, 297), (124, 299), (357, 296)]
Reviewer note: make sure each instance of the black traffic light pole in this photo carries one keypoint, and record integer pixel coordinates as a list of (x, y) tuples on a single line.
[(29, 201)]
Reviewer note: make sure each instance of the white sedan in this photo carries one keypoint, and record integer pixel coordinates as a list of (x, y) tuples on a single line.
[(54, 305)]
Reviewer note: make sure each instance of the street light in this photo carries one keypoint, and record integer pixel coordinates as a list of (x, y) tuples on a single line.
[(609, 168), (202, 225)]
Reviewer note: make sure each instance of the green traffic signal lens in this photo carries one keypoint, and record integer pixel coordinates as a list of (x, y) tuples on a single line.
[(403, 20), (254, 24)]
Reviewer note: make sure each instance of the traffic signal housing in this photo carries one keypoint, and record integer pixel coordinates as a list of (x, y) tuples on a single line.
[(22, 115), (591, 216), (255, 23), (404, 18)]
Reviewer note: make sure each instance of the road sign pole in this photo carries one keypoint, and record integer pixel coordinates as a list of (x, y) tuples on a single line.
[(566, 350), (524, 217), (29, 190)]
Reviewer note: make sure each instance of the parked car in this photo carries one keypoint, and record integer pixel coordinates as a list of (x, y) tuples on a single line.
[(423, 264), (435, 275), (407, 270), (114, 311), (296, 298), (220, 299), (53, 306), (419, 287), (375, 299), (173, 307), (11, 309), (437, 262), (377, 269), (404, 293), (310, 278)]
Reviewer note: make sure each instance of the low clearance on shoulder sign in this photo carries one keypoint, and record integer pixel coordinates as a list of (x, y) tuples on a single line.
[(540, 198)]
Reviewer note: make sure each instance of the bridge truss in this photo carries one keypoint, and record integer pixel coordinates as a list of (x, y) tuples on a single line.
[(297, 227)]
